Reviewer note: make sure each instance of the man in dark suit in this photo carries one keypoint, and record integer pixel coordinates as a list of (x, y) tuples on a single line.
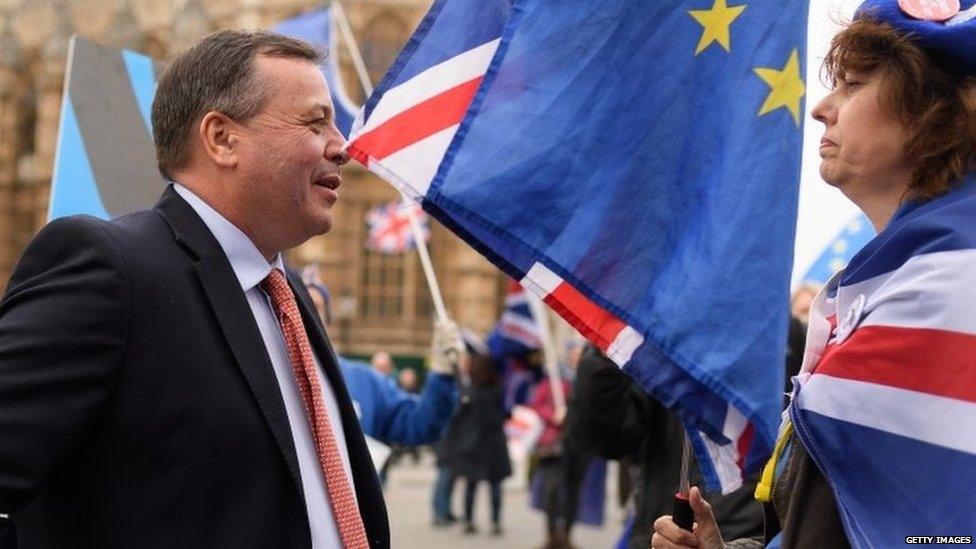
[(163, 382)]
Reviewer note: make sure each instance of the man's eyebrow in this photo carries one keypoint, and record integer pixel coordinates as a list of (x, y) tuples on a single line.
[(322, 110)]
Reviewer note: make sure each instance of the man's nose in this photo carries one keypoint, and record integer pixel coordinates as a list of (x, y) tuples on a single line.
[(335, 149)]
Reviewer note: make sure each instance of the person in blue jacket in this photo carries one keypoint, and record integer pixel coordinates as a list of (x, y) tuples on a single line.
[(392, 415), (386, 412)]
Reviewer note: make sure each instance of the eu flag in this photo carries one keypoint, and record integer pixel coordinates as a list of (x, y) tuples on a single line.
[(636, 163)]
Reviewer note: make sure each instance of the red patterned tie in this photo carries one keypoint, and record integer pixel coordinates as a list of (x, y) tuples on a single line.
[(341, 496)]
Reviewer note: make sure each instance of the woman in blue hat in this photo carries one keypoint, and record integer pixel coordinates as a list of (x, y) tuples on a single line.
[(878, 445)]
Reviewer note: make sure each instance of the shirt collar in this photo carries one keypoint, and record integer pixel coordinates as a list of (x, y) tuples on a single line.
[(248, 264)]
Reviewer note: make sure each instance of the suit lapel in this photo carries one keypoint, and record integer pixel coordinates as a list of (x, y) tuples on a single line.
[(235, 318)]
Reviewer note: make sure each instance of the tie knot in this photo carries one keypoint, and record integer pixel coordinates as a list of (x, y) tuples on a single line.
[(276, 286)]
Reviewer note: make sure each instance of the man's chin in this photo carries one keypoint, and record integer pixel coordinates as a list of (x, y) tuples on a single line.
[(323, 224)]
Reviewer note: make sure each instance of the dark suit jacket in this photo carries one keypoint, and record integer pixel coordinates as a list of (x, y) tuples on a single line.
[(138, 405)]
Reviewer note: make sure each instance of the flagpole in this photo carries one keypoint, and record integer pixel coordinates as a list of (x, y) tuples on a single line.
[(418, 237), (418, 233), (548, 350), (357, 58)]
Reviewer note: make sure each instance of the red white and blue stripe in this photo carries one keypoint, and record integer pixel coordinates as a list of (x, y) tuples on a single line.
[(407, 124), (886, 401), (389, 227), (539, 133), (517, 331)]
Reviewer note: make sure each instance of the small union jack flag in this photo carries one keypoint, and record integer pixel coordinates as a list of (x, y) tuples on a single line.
[(389, 227)]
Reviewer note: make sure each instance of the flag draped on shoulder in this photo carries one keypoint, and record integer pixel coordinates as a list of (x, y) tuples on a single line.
[(886, 405), (636, 165)]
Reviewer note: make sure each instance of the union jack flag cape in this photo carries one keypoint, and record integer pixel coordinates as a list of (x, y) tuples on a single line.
[(634, 166), (886, 400), (389, 227)]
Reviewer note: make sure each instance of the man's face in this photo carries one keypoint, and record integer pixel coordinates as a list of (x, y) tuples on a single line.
[(290, 153)]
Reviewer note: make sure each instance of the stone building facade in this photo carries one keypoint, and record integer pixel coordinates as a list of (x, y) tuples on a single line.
[(380, 302)]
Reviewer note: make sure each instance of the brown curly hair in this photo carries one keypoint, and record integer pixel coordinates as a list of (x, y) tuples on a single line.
[(935, 102)]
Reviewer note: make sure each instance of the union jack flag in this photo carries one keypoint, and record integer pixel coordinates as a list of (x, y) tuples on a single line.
[(389, 227), (517, 331), (622, 192), (885, 403)]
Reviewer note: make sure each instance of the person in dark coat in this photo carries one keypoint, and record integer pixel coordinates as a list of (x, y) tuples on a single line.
[(612, 417), (474, 446)]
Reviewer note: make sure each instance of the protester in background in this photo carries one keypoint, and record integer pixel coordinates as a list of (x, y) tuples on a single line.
[(474, 446), (520, 374), (560, 464), (321, 298), (801, 300), (796, 336), (445, 447), (900, 142), (392, 415), (407, 380), (382, 362), (614, 418)]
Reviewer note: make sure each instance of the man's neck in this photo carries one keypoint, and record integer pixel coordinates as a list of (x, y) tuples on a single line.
[(221, 199)]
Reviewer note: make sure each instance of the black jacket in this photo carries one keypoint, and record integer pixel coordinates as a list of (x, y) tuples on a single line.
[(138, 405), (613, 418), (474, 445)]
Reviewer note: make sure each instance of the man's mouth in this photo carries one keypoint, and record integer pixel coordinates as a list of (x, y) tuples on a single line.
[(330, 181)]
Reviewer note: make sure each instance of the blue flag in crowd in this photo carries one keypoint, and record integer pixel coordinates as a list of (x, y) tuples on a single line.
[(636, 164), (839, 252)]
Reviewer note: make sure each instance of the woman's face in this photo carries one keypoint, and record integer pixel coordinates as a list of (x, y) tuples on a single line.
[(863, 145)]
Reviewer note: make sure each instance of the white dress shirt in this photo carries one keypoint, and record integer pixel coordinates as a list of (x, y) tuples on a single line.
[(251, 268)]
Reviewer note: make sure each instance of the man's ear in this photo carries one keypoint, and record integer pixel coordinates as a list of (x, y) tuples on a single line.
[(219, 139)]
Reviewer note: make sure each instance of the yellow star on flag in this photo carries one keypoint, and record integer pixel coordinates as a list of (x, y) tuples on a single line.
[(716, 23), (786, 87)]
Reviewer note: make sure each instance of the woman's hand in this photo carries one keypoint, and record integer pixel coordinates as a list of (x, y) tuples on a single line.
[(667, 534)]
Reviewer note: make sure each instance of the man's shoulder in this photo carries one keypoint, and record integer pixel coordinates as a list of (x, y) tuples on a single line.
[(129, 226)]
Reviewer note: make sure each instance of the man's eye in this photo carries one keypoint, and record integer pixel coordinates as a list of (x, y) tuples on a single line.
[(318, 126)]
